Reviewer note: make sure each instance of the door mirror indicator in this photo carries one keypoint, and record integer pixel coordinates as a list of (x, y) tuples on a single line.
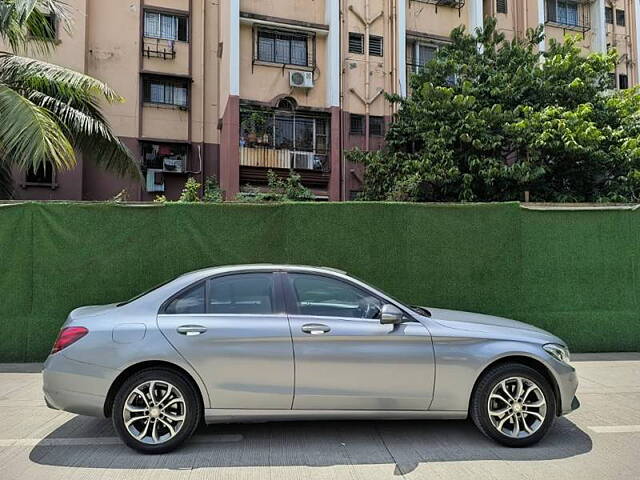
[(391, 315)]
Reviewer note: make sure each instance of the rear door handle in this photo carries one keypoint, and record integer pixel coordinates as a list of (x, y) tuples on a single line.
[(315, 328), (191, 330)]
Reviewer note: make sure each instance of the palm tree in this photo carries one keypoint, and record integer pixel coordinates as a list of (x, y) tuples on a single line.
[(49, 113)]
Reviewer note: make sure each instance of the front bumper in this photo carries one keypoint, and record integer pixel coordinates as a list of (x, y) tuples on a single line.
[(575, 404), (567, 379), (76, 387)]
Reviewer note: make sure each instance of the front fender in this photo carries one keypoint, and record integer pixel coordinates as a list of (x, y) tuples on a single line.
[(461, 360)]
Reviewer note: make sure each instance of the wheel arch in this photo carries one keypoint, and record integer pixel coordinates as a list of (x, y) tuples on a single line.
[(532, 362), (138, 367)]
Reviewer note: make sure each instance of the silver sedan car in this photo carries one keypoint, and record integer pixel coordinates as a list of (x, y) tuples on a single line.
[(256, 343)]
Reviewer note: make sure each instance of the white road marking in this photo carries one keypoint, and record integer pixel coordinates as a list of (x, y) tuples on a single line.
[(617, 429), (96, 441)]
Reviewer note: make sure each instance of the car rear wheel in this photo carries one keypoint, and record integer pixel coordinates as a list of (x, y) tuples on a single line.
[(514, 405), (156, 410)]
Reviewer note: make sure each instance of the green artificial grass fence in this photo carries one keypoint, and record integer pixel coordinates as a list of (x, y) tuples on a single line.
[(574, 273)]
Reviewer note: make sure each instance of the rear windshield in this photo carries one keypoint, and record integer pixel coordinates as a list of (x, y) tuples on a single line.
[(122, 304)]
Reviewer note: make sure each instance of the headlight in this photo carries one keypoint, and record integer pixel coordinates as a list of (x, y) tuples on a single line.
[(559, 352)]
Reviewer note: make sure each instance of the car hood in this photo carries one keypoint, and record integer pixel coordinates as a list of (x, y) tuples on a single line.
[(477, 322)]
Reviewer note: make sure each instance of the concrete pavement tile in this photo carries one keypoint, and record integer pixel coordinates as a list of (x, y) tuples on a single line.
[(80, 448)]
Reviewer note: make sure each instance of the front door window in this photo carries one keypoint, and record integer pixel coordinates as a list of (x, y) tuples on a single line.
[(323, 296)]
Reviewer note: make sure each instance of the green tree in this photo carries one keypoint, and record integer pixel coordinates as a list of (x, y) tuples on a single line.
[(488, 119), (50, 113)]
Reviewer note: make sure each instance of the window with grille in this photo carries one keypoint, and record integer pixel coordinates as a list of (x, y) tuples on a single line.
[(501, 6), (422, 54), (376, 46), (620, 18), (166, 91), (356, 43), (165, 26), (376, 126), (356, 126), (623, 81), (283, 47), (608, 15), (564, 12)]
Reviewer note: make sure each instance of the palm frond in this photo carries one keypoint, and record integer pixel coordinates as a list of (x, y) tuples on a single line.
[(32, 135), (20, 71), (91, 135)]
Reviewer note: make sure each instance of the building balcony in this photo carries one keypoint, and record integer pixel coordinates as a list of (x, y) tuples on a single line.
[(284, 139)]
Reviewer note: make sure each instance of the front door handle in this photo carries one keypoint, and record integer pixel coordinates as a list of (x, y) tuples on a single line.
[(315, 328), (191, 330)]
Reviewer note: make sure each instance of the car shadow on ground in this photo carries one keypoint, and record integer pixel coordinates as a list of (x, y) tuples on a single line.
[(91, 443)]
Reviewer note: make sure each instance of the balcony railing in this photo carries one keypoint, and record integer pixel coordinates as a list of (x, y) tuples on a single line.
[(158, 48), (265, 157)]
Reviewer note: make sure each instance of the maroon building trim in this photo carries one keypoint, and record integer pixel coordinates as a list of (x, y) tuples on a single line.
[(230, 149), (336, 156)]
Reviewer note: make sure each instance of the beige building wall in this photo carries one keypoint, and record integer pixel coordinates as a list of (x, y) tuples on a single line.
[(113, 56), (434, 19), (262, 82), (366, 77), (303, 11)]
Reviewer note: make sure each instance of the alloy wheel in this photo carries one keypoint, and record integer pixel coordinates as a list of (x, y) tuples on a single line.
[(517, 407), (154, 412)]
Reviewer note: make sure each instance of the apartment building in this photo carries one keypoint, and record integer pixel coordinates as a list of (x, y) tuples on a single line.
[(233, 88)]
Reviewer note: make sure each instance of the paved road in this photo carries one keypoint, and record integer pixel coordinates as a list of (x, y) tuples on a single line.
[(599, 441)]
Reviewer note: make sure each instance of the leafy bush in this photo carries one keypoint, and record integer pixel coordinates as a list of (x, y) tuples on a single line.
[(212, 191), (191, 191), (289, 189)]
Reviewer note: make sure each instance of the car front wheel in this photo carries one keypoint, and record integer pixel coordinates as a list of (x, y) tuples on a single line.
[(514, 405), (155, 411)]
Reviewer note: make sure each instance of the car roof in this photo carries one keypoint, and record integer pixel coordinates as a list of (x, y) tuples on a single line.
[(204, 272)]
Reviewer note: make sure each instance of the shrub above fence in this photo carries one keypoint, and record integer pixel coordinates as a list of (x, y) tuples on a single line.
[(573, 272)]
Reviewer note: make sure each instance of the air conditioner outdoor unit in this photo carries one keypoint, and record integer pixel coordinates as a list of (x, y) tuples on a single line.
[(155, 180), (301, 79), (175, 165)]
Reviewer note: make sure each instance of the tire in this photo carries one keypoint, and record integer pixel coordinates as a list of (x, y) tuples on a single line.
[(533, 419), (158, 422)]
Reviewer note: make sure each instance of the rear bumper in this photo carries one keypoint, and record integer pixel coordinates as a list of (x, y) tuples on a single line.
[(76, 387)]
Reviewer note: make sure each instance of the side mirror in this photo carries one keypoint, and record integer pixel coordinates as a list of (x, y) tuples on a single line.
[(391, 315)]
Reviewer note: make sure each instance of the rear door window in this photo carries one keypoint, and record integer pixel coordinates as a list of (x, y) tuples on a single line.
[(191, 301), (242, 294)]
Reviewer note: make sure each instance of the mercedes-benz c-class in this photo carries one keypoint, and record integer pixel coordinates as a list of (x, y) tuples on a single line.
[(277, 342)]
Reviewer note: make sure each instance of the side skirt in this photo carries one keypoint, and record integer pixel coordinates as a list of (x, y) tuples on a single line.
[(224, 415)]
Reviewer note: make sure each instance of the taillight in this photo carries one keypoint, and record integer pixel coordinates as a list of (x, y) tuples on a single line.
[(67, 336)]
